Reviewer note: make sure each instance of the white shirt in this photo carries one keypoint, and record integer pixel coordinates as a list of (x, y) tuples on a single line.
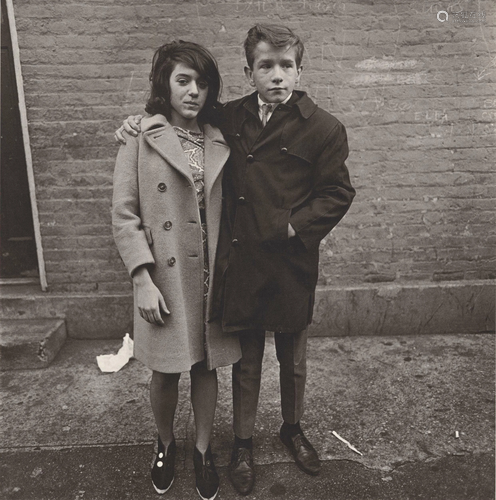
[(269, 114)]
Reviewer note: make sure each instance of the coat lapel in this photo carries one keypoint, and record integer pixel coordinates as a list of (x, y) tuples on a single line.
[(216, 155), (165, 141)]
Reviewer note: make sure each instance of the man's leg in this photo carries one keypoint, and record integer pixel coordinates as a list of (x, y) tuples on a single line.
[(291, 351), (246, 376)]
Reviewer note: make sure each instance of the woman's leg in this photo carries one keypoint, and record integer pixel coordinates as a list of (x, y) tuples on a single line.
[(204, 400), (163, 397)]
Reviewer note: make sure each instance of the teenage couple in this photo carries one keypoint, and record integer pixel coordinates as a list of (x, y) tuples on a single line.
[(265, 178)]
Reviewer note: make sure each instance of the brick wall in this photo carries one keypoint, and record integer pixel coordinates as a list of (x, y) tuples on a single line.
[(416, 96)]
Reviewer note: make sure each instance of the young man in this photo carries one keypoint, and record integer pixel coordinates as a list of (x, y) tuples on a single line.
[(286, 186)]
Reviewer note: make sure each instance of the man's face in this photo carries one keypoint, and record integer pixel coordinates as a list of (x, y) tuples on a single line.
[(274, 72)]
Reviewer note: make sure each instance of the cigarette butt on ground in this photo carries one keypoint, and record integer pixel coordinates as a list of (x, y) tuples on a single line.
[(457, 434), (347, 443)]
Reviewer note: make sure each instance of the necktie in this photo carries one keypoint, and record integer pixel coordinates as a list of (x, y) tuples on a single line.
[(266, 109)]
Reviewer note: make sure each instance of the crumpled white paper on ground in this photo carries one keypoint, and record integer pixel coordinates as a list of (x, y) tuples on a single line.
[(114, 362)]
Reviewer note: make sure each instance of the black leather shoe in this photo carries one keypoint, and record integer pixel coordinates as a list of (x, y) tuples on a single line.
[(241, 471), (207, 479), (304, 453), (163, 467)]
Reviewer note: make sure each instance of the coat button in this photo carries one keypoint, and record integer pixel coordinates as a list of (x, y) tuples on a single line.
[(168, 225), (242, 200), (235, 242), (284, 150), (250, 158), (171, 261), (162, 187)]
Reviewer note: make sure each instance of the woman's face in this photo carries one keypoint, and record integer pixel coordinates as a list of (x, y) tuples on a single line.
[(188, 93)]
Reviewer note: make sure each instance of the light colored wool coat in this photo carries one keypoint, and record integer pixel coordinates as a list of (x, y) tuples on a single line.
[(156, 222)]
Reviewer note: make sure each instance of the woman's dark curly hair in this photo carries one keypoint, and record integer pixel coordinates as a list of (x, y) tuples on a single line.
[(196, 57)]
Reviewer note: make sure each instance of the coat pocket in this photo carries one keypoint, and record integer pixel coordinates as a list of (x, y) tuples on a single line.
[(306, 151), (148, 234), (270, 224)]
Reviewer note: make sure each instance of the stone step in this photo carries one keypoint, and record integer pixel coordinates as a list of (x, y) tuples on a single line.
[(86, 315), (27, 344)]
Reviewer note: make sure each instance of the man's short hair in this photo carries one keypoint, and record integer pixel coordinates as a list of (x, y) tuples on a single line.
[(277, 36)]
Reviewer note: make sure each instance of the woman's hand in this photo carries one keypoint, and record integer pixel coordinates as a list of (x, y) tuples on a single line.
[(131, 125), (149, 300)]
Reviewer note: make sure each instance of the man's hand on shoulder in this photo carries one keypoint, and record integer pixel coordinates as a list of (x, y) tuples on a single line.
[(131, 125)]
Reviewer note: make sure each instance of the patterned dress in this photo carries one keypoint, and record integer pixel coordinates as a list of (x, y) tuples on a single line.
[(194, 146)]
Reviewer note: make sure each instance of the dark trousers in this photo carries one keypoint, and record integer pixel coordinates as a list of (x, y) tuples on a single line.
[(291, 349)]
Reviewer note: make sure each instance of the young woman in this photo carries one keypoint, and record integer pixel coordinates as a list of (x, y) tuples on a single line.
[(167, 192)]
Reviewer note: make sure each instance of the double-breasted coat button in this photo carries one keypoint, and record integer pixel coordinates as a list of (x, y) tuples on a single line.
[(167, 225), (284, 150), (162, 187), (171, 261), (250, 158), (235, 242)]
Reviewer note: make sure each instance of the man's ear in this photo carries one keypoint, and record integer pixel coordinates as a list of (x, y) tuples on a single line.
[(299, 70), (249, 76)]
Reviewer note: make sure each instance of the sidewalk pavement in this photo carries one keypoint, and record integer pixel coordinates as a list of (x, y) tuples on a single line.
[(72, 432)]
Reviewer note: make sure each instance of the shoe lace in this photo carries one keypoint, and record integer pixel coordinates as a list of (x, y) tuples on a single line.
[(298, 441), (243, 455)]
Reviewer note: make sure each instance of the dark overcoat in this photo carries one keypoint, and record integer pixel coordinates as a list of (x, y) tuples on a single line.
[(292, 171), (156, 222)]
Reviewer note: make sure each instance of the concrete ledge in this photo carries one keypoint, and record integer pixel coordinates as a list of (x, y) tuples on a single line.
[(87, 316), (405, 309), (30, 343), (369, 309)]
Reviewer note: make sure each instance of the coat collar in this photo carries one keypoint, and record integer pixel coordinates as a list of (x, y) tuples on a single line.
[(149, 123), (299, 99), (159, 133), (153, 121)]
